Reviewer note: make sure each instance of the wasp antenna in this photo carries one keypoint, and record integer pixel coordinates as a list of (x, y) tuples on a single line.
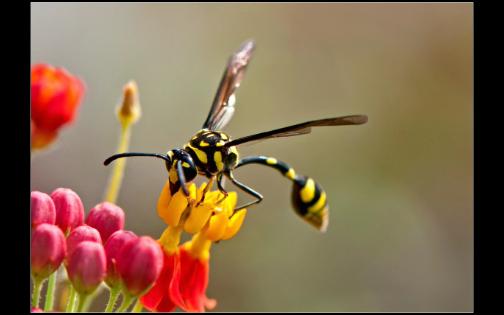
[(123, 155)]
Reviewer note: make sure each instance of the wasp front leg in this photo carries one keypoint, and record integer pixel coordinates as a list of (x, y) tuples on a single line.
[(220, 186)]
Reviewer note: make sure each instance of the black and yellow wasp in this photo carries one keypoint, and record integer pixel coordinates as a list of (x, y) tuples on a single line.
[(212, 153)]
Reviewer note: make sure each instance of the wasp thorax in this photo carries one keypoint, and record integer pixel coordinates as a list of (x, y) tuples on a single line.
[(210, 153)]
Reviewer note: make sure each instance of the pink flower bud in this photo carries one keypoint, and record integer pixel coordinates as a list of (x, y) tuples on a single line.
[(139, 263), (87, 266), (42, 209), (113, 246), (80, 234), (36, 310), (107, 218), (48, 249), (69, 209)]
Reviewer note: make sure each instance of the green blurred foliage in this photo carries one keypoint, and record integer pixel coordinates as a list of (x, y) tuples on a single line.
[(400, 187)]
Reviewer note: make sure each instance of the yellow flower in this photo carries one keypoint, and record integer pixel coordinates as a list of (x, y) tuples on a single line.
[(214, 217)]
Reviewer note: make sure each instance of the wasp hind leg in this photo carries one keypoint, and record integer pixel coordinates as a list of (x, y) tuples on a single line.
[(246, 189)]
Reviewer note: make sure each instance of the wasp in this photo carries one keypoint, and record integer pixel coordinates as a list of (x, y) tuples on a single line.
[(213, 153)]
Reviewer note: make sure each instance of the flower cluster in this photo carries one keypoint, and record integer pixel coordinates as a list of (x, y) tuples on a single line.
[(92, 249), (184, 278)]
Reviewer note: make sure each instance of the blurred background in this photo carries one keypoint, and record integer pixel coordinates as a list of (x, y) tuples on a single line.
[(400, 187)]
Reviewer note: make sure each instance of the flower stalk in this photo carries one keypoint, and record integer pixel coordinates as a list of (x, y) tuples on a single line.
[(118, 170), (82, 302), (37, 286), (114, 294), (51, 286), (71, 299), (138, 307), (128, 114), (127, 300)]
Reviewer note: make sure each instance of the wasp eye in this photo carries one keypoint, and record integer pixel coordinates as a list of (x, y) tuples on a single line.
[(190, 171)]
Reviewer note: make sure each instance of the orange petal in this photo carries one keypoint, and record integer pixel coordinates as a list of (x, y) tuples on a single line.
[(198, 218), (164, 202), (234, 224), (217, 227)]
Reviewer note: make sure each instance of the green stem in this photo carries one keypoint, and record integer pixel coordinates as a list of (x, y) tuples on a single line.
[(138, 307), (37, 286), (71, 299), (49, 300), (115, 181), (127, 299), (92, 296), (82, 301), (114, 294)]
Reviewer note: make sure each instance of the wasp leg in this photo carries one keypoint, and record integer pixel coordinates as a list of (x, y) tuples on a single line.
[(284, 168), (181, 178), (206, 189), (220, 186), (246, 189)]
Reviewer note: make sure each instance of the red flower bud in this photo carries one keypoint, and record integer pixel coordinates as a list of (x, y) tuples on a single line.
[(107, 218), (87, 266), (81, 234), (48, 249), (42, 209), (113, 246), (139, 263), (69, 209), (36, 310), (55, 97)]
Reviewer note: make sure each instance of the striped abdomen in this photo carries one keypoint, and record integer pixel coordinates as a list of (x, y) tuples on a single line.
[(308, 198)]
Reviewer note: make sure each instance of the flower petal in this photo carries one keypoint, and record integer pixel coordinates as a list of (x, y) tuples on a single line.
[(158, 297), (234, 224), (198, 218), (217, 227)]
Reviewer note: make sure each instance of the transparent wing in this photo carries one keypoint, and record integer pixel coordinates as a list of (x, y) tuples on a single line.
[(302, 128), (223, 104)]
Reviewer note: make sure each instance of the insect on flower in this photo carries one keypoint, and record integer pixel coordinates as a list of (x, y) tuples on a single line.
[(212, 153)]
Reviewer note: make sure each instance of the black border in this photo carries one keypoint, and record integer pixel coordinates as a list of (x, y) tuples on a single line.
[(16, 123)]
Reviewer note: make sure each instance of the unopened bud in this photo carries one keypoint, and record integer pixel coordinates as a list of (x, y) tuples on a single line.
[(129, 110), (81, 234), (107, 218), (48, 249), (42, 209), (87, 266), (139, 263), (113, 246), (69, 209)]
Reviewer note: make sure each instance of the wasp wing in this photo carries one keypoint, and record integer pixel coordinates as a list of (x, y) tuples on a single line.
[(223, 104), (301, 129)]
